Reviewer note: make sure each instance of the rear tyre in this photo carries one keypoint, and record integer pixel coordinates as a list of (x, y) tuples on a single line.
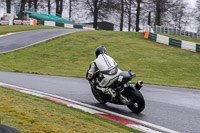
[(99, 96), (137, 103)]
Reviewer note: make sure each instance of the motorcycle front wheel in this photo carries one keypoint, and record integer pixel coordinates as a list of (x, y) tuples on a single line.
[(99, 95), (137, 103)]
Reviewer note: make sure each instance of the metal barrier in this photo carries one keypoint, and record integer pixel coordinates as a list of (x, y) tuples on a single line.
[(175, 31)]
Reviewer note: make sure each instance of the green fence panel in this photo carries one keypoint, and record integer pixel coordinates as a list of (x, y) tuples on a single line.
[(40, 22), (78, 26), (175, 42), (152, 36), (59, 24), (198, 48)]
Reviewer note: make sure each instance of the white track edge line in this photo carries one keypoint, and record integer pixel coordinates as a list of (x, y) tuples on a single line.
[(144, 123), (77, 106), (7, 34)]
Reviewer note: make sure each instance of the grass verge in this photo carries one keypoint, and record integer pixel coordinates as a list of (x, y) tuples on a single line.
[(70, 55), (30, 114), (18, 28)]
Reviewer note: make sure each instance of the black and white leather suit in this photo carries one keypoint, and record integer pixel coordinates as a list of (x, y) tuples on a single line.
[(107, 67)]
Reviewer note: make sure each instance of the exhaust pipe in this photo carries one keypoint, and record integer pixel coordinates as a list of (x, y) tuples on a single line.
[(139, 85)]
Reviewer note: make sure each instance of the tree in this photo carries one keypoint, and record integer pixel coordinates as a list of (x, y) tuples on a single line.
[(35, 5), (94, 6), (99, 8), (138, 15), (122, 15), (70, 9), (8, 6), (197, 17), (29, 4), (149, 18), (49, 6), (133, 10), (129, 6), (164, 9), (59, 8), (180, 15), (22, 7), (159, 9), (72, 5)]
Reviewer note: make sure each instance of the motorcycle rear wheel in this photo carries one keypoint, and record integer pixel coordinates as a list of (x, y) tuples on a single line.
[(137, 104), (99, 96)]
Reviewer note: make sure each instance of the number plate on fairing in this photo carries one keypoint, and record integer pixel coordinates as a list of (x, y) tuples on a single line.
[(120, 78)]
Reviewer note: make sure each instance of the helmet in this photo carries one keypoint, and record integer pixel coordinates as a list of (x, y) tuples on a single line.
[(100, 50)]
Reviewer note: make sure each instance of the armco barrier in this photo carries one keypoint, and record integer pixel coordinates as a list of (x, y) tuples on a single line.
[(188, 46), (68, 25), (59, 24), (162, 39), (152, 36), (39, 22), (78, 26), (87, 28), (49, 23), (26, 22), (198, 48), (4, 22), (46, 23), (175, 42), (17, 22)]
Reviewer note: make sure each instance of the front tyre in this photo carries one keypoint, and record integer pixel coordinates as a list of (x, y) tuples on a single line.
[(99, 95), (137, 103)]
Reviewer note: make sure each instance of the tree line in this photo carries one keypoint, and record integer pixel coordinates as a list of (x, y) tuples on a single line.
[(129, 14)]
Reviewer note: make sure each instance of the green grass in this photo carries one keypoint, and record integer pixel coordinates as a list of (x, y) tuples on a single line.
[(29, 114), (70, 55), (185, 38), (18, 28)]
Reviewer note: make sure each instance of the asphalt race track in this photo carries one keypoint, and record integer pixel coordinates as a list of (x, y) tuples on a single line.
[(6, 129), (27, 38), (174, 108)]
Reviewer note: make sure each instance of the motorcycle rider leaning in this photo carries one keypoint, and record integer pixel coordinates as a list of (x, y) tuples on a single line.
[(107, 67)]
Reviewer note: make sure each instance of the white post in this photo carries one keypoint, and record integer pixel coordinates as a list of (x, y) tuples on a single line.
[(10, 22), (156, 28), (149, 28), (175, 30), (160, 29), (168, 30)]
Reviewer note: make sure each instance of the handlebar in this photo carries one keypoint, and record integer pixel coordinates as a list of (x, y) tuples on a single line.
[(133, 75)]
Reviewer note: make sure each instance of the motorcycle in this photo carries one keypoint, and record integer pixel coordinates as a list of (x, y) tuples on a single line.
[(122, 92)]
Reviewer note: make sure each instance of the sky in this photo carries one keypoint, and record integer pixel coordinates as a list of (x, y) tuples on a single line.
[(191, 2)]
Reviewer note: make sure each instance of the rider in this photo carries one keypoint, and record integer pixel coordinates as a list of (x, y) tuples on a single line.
[(107, 67)]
